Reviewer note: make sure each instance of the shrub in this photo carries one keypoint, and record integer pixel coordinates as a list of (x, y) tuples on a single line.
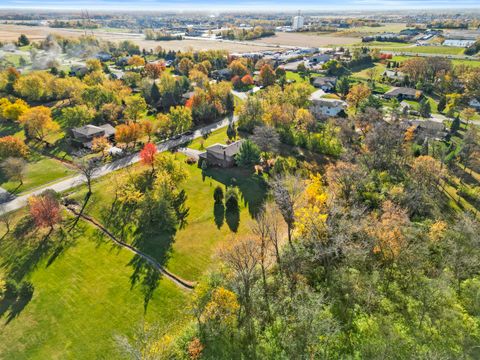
[(218, 194), (191, 160), (231, 199), (26, 290)]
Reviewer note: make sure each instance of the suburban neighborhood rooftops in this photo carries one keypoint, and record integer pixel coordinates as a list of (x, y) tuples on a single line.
[(318, 99)]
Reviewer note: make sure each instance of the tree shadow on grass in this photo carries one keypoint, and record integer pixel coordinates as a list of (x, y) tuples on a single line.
[(252, 187), (219, 214), (232, 218), (157, 245)]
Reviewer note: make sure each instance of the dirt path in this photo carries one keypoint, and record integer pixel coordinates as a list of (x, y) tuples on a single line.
[(186, 285)]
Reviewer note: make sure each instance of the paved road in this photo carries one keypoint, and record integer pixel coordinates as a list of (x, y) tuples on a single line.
[(77, 180)]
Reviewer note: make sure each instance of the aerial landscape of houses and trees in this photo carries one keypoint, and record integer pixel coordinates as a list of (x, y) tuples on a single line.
[(239, 181)]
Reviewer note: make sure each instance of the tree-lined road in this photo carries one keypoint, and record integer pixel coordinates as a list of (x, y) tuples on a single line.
[(63, 185)]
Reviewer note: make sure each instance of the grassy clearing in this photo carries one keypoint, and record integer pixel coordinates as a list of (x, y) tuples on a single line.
[(83, 297), (217, 136), (298, 79), (37, 173), (191, 251), (455, 62)]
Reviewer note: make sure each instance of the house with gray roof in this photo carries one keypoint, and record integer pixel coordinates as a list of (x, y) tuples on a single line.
[(402, 93), (221, 155), (326, 83), (84, 135)]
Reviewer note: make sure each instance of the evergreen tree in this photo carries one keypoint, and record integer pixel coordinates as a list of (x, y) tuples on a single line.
[(425, 109), (248, 155), (442, 103)]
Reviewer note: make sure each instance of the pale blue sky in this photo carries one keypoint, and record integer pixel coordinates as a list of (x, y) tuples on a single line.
[(234, 5)]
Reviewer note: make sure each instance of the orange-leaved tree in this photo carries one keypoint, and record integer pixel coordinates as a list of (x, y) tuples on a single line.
[(45, 210), (147, 155)]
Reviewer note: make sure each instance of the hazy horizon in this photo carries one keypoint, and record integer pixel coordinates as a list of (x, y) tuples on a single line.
[(237, 5)]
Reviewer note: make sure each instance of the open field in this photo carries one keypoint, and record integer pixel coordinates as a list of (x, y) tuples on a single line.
[(84, 295), (441, 50), (474, 63), (306, 40), (12, 32)]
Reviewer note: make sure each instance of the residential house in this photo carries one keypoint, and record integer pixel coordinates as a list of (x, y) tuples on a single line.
[(474, 103), (403, 93), (78, 70), (84, 135), (222, 74), (323, 107), (427, 129), (394, 75), (327, 83), (319, 59), (221, 155)]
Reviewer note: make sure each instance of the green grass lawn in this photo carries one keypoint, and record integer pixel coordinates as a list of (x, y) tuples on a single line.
[(298, 79), (38, 172), (218, 136), (83, 297), (194, 246)]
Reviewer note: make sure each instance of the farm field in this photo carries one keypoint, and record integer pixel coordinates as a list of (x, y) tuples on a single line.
[(306, 40), (474, 63), (441, 50), (11, 33), (84, 295)]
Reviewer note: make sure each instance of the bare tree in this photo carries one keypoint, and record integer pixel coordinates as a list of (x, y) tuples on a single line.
[(266, 138), (6, 218), (88, 168), (287, 191)]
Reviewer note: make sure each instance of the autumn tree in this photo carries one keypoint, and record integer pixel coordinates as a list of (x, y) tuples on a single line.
[(136, 61), (11, 146), (128, 133), (154, 70), (135, 106), (45, 209), (77, 116), (100, 144), (147, 155), (12, 111), (238, 68), (38, 122), (267, 75), (181, 118), (93, 65), (468, 114), (185, 65), (357, 94)]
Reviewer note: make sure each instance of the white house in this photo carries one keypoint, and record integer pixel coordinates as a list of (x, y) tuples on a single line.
[(323, 107), (475, 103)]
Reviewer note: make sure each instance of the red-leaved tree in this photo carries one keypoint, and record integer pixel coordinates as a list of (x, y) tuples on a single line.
[(45, 210), (147, 155)]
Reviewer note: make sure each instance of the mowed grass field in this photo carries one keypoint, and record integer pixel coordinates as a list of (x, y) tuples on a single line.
[(83, 297), (441, 50), (193, 247), (473, 63)]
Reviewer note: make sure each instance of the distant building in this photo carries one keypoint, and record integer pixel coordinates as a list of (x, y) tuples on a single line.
[(322, 107), (84, 135), (221, 155), (474, 103), (402, 93), (298, 22), (319, 59), (458, 42), (394, 75), (326, 83)]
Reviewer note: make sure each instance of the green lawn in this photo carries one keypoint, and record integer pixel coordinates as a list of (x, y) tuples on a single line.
[(194, 246), (218, 136), (474, 63), (298, 79), (83, 297), (38, 172)]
